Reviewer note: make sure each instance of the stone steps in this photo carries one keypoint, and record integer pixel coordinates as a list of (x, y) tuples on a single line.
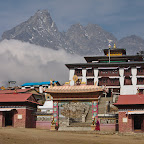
[(84, 124), (102, 104)]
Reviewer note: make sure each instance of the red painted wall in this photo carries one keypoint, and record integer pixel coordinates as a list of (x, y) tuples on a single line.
[(19, 122), (27, 121), (108, 127), (30, 119), (43, 124)]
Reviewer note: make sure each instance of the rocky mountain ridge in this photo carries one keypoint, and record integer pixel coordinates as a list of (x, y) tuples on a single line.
[(41, 30)]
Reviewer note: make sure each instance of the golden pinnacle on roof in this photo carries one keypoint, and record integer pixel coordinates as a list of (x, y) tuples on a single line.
[(114, 45), (51, 82)]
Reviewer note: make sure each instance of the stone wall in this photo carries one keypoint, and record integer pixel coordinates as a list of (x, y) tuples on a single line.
[(64, 122)]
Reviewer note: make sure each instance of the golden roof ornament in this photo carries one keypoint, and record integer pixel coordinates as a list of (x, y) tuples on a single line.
[(67, 83), (51, 82), (114, 45), (2, 88), (83, 82), (75, 78)]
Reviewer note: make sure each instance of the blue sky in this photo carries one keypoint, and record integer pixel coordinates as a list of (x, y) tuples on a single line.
[(120, 17)]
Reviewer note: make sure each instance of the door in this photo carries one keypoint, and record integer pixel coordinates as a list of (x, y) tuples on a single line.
[(9, 118), (138, 121)]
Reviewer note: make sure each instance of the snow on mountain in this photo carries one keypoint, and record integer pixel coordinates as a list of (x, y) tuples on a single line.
[(41, 30)]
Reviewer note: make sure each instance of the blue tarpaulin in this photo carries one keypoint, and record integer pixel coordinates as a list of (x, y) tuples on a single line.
[(38, 83)]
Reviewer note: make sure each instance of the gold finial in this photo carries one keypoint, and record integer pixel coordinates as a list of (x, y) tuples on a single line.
[(2, 88), (51, 82), (75, 78), (67, 83), (83, 82), (114, 45)]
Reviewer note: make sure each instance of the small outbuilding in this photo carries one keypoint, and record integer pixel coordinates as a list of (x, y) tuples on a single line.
[(18, 110), (131, 113)]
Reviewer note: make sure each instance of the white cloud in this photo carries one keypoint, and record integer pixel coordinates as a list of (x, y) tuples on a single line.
[(24, 62)]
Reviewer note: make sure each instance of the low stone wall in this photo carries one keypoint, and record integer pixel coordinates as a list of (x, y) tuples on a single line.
[(63, 122), (43, 124)]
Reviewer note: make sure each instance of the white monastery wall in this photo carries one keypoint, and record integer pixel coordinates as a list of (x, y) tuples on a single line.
[(71, 74), (121, 79), (124, 89), (96, 76), (84, 75), (134, 73), (128, 89)]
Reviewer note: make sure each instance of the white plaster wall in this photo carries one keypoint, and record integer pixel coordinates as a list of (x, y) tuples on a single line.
[(84, 75), (128, 89), (134, 80), (96, 75), (71, 74), (134, 73), (121, 81), (96, 72), (121, 72)]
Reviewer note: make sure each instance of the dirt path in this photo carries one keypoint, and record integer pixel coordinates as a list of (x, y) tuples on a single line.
[(36, 136)]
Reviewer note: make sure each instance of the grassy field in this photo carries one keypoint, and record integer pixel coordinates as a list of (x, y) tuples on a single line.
[(36, 136)]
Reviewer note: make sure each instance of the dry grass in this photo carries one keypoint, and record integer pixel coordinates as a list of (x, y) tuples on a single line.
[(36, 136)]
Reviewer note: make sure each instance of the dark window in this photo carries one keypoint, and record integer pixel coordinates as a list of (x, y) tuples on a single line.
[(90, 72), (90, 81), (78, 72), (127, 81), (140, 81)]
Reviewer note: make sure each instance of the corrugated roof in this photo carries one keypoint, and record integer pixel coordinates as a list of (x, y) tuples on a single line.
[(13, 91), (17, 97), (130, 99), (38, 83)]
